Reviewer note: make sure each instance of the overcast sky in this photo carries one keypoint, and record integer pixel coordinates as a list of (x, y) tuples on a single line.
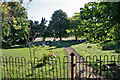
[(45, 8)]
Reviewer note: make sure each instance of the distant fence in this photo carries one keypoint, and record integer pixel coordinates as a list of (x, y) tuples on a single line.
[(90, 67)]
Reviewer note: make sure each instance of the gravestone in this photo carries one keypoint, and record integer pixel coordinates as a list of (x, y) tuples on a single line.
[(58, 43), (38, 43), (43, 44), (54, 42), (47, 42), (80, 40)]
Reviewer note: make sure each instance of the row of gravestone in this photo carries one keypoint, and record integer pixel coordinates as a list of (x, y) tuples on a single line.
[(77, 40), (52, 43), (49, 43)]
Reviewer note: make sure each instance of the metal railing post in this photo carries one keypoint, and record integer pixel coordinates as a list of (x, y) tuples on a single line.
[(72, 65), (100, 66)]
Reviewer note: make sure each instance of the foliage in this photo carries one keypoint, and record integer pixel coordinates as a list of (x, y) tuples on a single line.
[(44, 31), (38, 30), (58, 24), (75, 26), (14, 22), (47, 59), (101, 21)]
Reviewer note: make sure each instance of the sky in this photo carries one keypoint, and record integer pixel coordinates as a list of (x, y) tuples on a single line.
[(36, 9)]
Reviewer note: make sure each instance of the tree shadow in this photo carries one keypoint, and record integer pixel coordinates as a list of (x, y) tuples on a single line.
[(39, 65), (15, 47), (66, 44)]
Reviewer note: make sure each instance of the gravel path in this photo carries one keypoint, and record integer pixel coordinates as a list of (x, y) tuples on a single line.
[(82, 69)]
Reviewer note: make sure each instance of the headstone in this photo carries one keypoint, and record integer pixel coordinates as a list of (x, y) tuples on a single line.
[(54, 42), (59, 43), (80, 40), (38, 43), (43, 44), (47, 42)]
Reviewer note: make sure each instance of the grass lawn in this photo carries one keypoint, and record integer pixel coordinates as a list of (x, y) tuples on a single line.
[(47, 70), (84, 51), (41, 71), (94, 50), (24, 52)]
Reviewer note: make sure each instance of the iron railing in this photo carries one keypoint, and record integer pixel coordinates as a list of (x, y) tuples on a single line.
[(90, 67)]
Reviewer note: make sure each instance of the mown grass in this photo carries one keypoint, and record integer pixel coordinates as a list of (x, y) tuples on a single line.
[(92, 56), (83, 50), (47, 71), (26, 70)]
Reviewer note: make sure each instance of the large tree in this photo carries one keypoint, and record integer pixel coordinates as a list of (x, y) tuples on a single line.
[(14, 22), (101, 21), (38, 29), (75, 26), (58, 24), (44, 30)]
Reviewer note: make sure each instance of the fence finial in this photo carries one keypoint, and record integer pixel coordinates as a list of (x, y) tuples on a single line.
[(72, 54)]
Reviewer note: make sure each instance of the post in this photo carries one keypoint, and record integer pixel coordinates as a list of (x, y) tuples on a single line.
[(100, 66), (72, 65)]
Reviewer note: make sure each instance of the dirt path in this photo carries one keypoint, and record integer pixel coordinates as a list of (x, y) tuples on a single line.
[(82, 69)]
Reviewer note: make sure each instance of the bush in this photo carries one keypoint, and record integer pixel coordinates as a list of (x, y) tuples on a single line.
[(6, 44), (106, 47), (117, 50)]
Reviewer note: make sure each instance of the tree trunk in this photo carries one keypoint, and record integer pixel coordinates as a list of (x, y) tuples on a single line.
[(14, 39), (44, 39), (60, 38), (76, 37)]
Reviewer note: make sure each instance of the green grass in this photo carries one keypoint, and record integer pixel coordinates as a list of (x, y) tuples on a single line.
[(94, 50), (24, 52), (44, 71)]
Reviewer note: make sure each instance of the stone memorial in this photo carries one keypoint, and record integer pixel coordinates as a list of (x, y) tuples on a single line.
[(43, 44), (58, 43)]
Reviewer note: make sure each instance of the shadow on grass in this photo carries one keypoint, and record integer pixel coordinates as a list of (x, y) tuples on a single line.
[(63, 44), (66, 44), (15, 47), (39, 65)]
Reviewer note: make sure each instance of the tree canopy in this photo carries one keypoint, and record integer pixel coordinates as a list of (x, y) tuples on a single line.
[(75, 26), (58, 24), (14, 22), (101, 21)]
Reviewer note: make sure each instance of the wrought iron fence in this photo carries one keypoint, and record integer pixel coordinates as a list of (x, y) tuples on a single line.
[(72, 67)]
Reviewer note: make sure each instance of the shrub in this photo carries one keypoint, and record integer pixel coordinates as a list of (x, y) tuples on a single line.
[(6, 44), (117, 50), (106, 47)]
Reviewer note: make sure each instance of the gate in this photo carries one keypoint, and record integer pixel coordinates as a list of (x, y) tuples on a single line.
[(70, 68)]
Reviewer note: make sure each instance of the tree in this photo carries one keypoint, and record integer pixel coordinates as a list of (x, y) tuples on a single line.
[(101, 21), (35, 30), (75, 26), (14, 22), (43, 30), (58, 24)]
